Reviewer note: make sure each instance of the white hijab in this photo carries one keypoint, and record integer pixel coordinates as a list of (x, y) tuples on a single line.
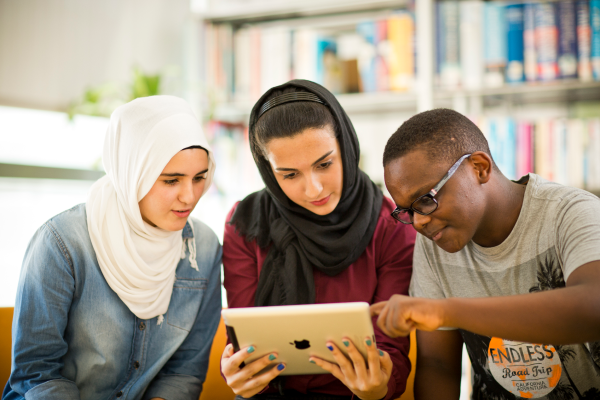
[(137, 260)]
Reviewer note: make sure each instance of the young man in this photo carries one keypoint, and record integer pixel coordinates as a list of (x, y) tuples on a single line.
[(487, 254)]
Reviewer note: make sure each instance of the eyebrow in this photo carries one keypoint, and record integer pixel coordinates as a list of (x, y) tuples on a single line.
[(320, 159), (180, 174)]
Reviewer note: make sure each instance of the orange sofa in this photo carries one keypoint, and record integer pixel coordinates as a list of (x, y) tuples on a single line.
[(215, 387)]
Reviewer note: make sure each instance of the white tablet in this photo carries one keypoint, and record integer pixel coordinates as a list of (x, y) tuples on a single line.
[(299, 331)]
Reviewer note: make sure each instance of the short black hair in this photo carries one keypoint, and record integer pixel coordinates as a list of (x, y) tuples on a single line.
[(290, 119), (443, 134)]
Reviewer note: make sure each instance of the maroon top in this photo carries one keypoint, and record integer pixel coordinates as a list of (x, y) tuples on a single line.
[(382, 270)]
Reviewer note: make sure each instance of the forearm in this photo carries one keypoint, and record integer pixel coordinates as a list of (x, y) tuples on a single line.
[(447, 383), (547, 317)]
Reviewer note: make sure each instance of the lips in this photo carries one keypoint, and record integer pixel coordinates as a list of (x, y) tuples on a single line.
[(436, 235), (321, 202), (181, 213)]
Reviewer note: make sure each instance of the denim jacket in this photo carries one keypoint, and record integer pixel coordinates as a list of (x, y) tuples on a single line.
[(73, 337)]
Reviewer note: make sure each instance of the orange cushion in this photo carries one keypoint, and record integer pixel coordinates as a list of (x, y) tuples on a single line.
[(6, 315)]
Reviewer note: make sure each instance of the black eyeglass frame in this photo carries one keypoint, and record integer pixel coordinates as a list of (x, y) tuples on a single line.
[(431, 194)]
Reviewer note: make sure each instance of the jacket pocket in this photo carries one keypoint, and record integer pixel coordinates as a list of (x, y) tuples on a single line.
[(185, 302)]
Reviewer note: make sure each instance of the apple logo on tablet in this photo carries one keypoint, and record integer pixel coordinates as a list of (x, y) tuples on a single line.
[(304, 344)]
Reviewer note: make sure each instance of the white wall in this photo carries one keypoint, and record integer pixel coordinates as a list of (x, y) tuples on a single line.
[(51, 50)]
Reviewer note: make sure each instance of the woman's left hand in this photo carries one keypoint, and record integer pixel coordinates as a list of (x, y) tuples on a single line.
[(367, 379)]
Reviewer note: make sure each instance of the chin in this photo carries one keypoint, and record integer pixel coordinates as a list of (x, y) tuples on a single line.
[(451, 247)]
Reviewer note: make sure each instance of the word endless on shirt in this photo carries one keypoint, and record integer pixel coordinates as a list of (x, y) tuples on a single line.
[(557, 231)]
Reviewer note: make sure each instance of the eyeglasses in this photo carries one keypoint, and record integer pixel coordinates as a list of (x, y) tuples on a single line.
[(425, 204)]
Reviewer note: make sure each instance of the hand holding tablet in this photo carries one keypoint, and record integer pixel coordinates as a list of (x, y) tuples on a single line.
[(304, 339)]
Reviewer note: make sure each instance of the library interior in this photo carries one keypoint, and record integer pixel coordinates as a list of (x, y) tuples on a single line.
[(526, 73)]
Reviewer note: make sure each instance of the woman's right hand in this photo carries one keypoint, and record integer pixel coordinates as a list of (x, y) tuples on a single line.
[(243, 381)]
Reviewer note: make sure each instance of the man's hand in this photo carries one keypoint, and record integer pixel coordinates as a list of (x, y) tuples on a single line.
[(401, 315)]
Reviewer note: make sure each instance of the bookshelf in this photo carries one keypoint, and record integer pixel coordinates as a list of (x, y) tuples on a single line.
[(436, 81)]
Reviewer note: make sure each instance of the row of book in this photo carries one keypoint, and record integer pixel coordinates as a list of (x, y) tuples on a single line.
[(366, 56), (566, 151), (487, 44)]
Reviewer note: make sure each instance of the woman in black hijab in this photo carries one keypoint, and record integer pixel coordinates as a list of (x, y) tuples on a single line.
[(319, 232)]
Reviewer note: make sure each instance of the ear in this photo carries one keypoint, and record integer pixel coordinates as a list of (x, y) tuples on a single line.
[(483, 165)]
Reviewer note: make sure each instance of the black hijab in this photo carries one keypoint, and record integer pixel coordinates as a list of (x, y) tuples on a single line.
[(300, 239)]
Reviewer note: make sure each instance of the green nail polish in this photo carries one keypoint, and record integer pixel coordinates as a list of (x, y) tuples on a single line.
[(380, 353), (272, 357), (311, 361), (346, 343), (369, 343), (250, 349)]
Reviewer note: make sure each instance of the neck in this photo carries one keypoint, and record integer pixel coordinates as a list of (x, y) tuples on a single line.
[(504, 202)]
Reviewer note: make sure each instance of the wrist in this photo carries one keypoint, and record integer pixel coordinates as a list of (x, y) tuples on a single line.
[(449, 309), (375, 394)]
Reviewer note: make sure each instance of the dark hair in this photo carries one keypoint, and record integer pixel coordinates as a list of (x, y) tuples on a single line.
[(290, 119), (444, 134)]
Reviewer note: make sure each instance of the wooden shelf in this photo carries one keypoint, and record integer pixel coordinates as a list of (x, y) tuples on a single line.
[(261, 11)]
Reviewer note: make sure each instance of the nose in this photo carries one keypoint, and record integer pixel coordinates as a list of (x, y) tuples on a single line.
[(186, 193), (313, 187), (420, 221)]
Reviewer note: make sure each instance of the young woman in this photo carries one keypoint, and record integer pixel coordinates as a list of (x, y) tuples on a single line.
[(119, 298), (319, 232)]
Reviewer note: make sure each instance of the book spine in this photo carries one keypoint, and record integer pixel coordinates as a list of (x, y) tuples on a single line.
[(401, 39), (567, 39), (546, 38), (494, 43), (529, 56), (382, 73), (515, 70), (450, 62), (584, 38), (595, 31), (471, 59), (366, 61)]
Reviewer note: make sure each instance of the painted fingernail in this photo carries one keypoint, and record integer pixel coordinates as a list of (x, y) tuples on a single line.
[(250, 349), (369, 342), (272, 357), (330, 348), (280, 367), (380, 353), (346, 343), (311, 361)]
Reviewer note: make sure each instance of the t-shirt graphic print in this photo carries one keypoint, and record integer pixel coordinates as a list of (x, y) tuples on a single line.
[(557, 231)]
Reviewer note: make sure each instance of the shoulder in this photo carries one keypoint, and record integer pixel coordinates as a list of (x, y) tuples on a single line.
[(70, 228), (543, 190)]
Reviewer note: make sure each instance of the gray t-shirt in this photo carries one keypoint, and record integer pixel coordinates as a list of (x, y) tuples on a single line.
[(557, 231)]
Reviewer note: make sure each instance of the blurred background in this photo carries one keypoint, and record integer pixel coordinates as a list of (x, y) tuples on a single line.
[(528, 73)]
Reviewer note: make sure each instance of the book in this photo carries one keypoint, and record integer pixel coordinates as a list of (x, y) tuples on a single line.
[(595, 42), (546, 40), (275, 60), (449, 61), (575, 153), (382, 45), (524, 154), (567, 39), (494, 39), (471, 45), (368, 55), (529, 54), (515, 69), (584, 39), (400, 28)]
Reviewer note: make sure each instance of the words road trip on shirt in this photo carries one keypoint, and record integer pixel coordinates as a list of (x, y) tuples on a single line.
[(526, 370)]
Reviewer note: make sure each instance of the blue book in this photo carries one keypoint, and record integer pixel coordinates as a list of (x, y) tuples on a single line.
[(567, 39), (494, 43), (515, 68), (584, 38), (546, 33), (324, 45), (595, 27), (367, 61)]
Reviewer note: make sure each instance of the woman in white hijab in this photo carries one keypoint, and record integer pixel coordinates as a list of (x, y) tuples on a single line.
[(120, 297)]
